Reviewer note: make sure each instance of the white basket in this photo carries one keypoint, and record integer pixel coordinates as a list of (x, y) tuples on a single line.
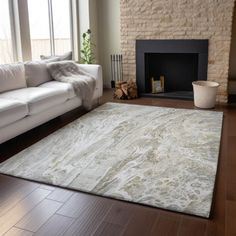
[(205, 93)]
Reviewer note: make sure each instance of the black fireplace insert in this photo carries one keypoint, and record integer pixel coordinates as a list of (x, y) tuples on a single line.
[(179, 62)]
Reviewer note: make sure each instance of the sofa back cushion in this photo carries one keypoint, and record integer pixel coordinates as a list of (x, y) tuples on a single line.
[(12, 76), (36, 73), (65, 57)]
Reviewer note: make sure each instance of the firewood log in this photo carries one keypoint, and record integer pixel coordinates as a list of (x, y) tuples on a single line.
[(126, 90), (133, 93), (118, 84), (118, 93)]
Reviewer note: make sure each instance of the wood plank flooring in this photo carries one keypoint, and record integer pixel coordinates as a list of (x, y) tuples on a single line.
[(28, 208)]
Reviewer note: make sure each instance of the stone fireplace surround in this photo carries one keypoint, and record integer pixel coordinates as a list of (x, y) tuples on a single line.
[(180, 19)]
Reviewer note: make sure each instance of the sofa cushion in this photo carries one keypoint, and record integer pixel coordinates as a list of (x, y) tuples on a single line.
[(11, 111), (12, 76), (38, 99), (36, 73), (65, 57), (59, 85)]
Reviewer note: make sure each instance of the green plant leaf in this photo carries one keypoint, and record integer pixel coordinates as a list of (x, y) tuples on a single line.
[(87, 55)]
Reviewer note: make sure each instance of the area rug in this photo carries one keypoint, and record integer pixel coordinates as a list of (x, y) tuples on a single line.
[(162, 157)]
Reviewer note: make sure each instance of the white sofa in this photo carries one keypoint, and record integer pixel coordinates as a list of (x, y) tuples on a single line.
[(29, 97)]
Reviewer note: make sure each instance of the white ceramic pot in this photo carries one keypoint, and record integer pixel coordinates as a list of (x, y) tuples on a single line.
[(205, 93)]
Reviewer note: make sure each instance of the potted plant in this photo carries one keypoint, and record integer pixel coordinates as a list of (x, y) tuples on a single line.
[(87, 55)]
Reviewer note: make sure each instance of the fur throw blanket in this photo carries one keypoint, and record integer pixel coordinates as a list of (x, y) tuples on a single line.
[(82, 82)]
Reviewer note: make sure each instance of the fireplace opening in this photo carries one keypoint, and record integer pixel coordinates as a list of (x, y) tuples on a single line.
[(174, 63), (178, 69)]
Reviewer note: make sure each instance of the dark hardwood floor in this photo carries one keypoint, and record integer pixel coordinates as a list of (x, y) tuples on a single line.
[(28, 208)]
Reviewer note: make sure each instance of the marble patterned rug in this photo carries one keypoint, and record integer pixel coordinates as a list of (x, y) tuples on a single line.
[(163, 157)]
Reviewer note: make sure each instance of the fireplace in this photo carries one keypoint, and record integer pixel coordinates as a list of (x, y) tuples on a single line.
[(180, 62)]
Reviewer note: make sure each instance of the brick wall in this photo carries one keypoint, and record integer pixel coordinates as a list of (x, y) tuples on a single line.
[(180, 19)]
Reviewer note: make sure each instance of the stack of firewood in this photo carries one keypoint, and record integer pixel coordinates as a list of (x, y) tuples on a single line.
[(126, 90)]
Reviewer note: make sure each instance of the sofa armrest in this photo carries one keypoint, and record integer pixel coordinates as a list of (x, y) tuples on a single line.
[(96, 72)]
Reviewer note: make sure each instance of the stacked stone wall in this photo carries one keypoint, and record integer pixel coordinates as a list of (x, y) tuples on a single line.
[(180, 19)]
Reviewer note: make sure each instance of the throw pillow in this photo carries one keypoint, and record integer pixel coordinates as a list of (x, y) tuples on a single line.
[(65, 57), (36, 73), (12, 76)]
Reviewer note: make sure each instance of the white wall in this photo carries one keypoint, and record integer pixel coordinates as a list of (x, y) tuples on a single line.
[(108, 34), (103, 18)]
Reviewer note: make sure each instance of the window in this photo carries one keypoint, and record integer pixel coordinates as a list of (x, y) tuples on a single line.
[(50, 29), (30, 28), (39, 28), (6, 42), (62, 26)]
